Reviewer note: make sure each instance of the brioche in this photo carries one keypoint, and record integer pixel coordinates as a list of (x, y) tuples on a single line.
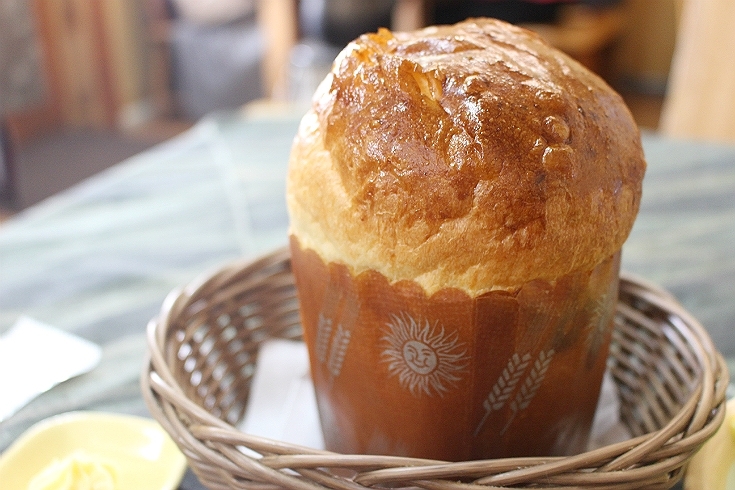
[(473, 156)]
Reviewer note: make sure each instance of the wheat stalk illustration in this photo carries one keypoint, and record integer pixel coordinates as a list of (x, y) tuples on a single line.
[(504, 386), (338, 350), (350, 311), (530, 385), (598, 323), (323, 334)]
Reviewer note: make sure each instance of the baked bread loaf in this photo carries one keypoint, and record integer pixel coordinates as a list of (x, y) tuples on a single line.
[(472, 156)]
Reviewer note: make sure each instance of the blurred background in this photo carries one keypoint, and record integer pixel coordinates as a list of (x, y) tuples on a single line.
[(85, 84)]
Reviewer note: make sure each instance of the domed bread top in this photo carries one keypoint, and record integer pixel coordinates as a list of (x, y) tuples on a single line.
[(473, 156)]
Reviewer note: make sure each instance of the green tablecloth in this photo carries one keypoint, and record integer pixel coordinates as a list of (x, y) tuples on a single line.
[(98, 259)]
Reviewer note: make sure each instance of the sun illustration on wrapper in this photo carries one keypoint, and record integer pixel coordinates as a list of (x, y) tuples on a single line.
[(425, 358)]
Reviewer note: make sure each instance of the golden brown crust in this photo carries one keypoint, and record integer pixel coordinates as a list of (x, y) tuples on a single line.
[(472, 156)]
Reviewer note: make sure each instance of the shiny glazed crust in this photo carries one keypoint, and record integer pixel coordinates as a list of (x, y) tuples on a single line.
[(472, 156)]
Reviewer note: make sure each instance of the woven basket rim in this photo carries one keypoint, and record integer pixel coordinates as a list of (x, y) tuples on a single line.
[(655, 459)]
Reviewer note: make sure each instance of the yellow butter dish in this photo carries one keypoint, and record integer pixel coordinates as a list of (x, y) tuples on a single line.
[(713, 467), (95, 450)]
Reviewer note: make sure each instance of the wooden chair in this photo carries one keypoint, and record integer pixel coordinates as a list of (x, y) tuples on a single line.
[(700, 100), (584, 33)]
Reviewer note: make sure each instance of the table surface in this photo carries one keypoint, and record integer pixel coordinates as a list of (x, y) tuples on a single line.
[(98, 260)]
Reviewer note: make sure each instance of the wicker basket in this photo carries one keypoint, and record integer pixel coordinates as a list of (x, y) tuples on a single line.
[(204, 345)]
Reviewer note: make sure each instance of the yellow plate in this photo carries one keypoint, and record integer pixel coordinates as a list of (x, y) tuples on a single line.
[(144, 456)]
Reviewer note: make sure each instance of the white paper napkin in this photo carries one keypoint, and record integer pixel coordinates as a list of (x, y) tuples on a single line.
[(283, 407), (282, 404), (35, 357)]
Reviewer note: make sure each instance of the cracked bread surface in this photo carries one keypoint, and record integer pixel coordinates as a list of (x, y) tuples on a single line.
[(472, 156)]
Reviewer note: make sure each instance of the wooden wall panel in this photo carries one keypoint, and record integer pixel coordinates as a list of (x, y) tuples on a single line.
[(700, 102), (125, 46), (94, 63), (72, 29)]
